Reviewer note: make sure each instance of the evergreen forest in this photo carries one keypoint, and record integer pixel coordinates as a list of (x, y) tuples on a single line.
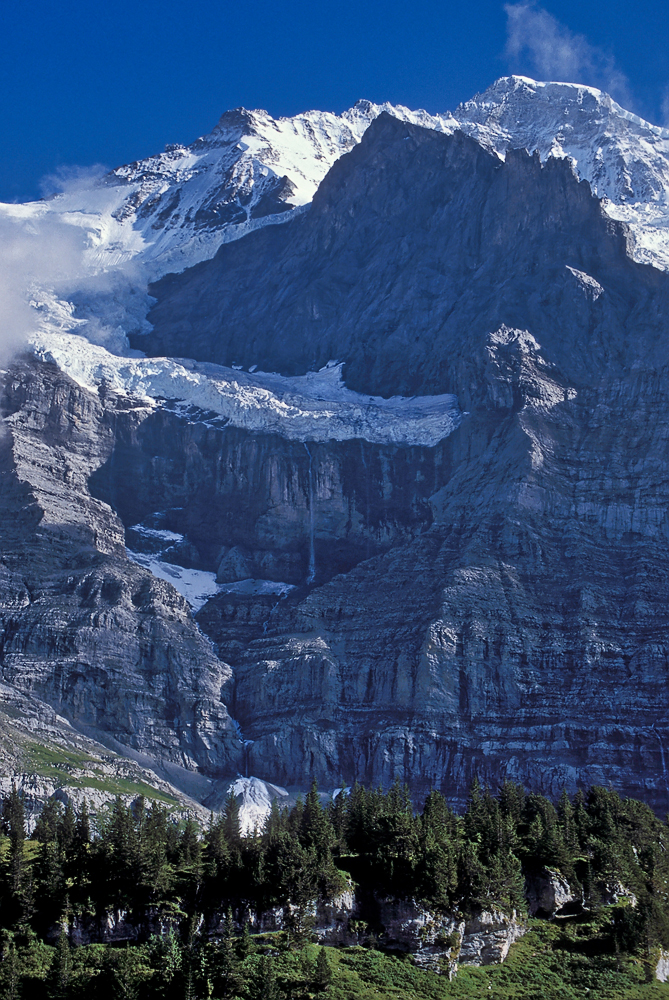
[(190, 895)]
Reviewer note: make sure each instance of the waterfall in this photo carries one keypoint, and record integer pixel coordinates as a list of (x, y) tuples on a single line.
[(265, 624), (662, 758), (247, 744), (367, 525), (311, 573)]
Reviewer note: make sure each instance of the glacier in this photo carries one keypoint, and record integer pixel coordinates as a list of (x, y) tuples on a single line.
[(312, 407), (174, 209)]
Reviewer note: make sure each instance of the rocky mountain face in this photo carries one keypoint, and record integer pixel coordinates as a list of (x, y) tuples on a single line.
[(83, 629), (471, 582), (412, 238), (519, 632)]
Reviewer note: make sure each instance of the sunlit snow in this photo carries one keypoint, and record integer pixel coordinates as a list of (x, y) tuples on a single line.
[(148, 216), (255, 799)]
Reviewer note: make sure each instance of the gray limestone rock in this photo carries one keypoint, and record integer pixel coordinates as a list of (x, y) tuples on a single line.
[(548, 893), (494, 605), (83, 629)]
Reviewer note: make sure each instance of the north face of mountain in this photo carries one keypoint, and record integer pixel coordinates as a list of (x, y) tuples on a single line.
[(416, 247), (484, 593)]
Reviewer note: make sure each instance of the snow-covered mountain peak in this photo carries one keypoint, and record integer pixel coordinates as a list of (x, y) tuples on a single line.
[(171, 210), (625, 158)]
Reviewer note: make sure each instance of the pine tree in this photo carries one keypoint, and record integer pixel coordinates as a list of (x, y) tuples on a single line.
[(124, 976), (83, 830), (166, 958), (48, 821), (10, 969), (316, 830), (121, 846), (60, 972), (273, 823), (244, 944), (67, 829), (17, 880), (338, 820), (222, 964), (232, 824), (263, 984), (49, 883), (323, 972)]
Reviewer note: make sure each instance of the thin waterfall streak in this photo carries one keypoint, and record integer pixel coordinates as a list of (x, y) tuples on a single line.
[(662, 758), (265, 624), (311, 573), (246, 744), (367, 526)]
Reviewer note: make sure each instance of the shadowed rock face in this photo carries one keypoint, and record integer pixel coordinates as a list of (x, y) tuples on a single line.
[(417, 247), (494, 605)]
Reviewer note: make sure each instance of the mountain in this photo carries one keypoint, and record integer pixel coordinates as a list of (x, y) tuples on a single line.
[(412, 238), (403, 453)]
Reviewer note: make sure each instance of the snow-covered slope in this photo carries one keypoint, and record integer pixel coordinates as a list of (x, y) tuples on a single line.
[(255, 798), (176, 208), (171, 210)]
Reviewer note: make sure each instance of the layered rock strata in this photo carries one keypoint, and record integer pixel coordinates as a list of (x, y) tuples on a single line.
[(83, 629), (493, 605)]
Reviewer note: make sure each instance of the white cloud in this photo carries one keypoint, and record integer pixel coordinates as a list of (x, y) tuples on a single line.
[(664, 107), (36, 251), (67, 180), (47, 279), (553, 52)]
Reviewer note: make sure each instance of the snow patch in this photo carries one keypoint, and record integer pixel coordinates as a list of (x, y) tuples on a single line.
[(255, 799), (158, 533), (251, 587), (196, 585), (589, 284)]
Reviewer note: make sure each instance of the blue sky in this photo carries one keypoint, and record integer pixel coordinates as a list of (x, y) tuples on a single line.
[(110, 81)]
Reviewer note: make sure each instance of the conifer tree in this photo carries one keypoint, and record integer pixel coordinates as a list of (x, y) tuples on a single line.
[(17, 880), (322, 973), (222, 963), (232, 824), (48, 821), (316, 829), (10, 969), (83, 830), (263, 985), (338, 819), (60, 972), (67, 829), (244, 943)]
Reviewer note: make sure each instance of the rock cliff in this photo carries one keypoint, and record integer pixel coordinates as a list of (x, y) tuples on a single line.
[(521, 632), (83, 629)]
